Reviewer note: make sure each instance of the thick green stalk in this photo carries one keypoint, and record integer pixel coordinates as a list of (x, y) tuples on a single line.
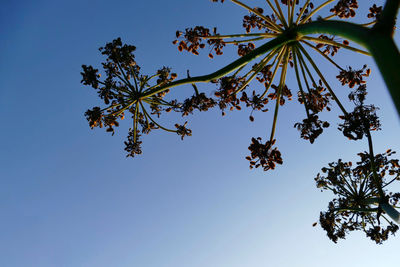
[(392, 212), (274, 43)]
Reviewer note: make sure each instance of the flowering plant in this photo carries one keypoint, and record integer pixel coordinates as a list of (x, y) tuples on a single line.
[(277, 42)]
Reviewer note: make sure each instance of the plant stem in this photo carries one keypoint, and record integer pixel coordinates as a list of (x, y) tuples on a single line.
[(333, 43), (387, 19), (392, 212), (322, 54), (315, 11), (387, 58), (278, 41), (279, 91)]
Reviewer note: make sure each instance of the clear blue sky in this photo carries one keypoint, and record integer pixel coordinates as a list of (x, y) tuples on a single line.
[(69, 197)]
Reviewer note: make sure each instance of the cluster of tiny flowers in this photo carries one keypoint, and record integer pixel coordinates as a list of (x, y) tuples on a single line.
[(285, 92), (362, 119), (329, 49), (226, 92), (263, 155), (353, 77), (199, 102), (133, 144), (345, 9), (255, 102), (307, 11), (252, 21), (182, 130), (124, 90), (374, 11), (317, 99), (357, 123), (353, 187), (193, 40), (311, 127), (244, 49)]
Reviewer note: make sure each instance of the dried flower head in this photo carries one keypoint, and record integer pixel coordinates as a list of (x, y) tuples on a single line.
[(263, 155), (358, 202)]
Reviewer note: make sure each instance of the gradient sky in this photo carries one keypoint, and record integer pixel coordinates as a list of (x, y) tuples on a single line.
[(70, 197)]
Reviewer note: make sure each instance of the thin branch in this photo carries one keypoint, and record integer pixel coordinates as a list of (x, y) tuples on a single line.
[(280, 13), (324, 41), (323, 79), (279, 92), (322, 54), (303, 9), (239, 35), (279, 58), (273, 27), (315, 11), (299, 83)]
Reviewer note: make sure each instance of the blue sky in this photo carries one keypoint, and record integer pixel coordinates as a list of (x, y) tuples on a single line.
[(69, 197)]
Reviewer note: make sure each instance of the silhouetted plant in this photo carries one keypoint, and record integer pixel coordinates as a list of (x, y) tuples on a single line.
[(290, 38)]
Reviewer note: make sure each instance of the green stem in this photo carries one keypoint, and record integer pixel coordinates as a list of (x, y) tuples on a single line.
[(299, 83), (387, 19), (273, 27), (356, 209), (281, 14), (380, 45), (322, 54), (279, 92), (333, 43), (315, 11), (245, 41), (392, 212), (302, 12), (279, 58), (257, 69), (239, 35), (387, 58), (323, 79), (278, 41)]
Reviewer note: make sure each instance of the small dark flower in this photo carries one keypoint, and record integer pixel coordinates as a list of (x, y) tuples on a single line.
[(183, 131), (226, 92), (165, 75), (192, 39), (252, 21), (328, 49), (374, 11), (263, 155), (133, 145), (244, 49), (353, 77), (316, 100), (345, 8), (94, 117), (285, 92), (311, 128), (379, 234), (200, 102), (255, 101), (357, 123), (90, 76)]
